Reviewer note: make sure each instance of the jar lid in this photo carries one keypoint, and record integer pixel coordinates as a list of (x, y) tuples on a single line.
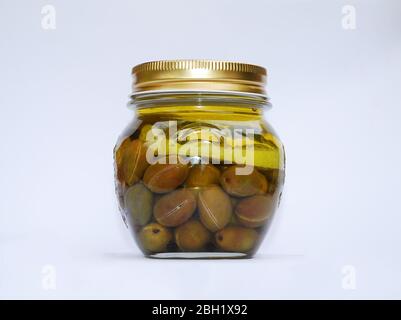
[(198, 75)]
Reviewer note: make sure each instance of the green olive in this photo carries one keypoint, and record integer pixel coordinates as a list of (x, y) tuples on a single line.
[(243, 185), (138, 204), (131, 161), (154, 237), (121, 150), (254, 211), (236, 239), (162, 178), (192, 236), (175, 208), (215, 208), (203, 175)]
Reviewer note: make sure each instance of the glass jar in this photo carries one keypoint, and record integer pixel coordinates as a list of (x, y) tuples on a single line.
[(198, 172)]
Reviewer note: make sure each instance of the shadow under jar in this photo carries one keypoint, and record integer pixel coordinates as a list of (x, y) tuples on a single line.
[(199, 172)]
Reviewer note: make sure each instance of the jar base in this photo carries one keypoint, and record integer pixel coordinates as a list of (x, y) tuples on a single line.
[(200, 255)]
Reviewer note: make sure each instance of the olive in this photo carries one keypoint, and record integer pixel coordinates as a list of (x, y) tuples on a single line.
[(203, 175), (243, 185), (154, 237), (131, 161), (236, 239), (162, 178), (120, 150), (175, 208), (254, 211), (215, 208), (192, 236), (138, 203)]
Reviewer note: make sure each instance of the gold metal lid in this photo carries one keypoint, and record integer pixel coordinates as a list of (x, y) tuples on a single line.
[(198, 75)]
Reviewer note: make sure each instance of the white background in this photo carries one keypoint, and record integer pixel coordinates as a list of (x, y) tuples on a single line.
[(336, 97)]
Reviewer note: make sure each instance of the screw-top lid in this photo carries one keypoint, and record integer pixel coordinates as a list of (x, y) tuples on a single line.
[(198, 75)]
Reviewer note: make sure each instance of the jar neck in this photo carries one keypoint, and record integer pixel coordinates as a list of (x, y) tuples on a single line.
[(200, 104)]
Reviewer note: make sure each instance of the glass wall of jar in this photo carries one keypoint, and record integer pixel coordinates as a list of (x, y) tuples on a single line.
[(199, 171)]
